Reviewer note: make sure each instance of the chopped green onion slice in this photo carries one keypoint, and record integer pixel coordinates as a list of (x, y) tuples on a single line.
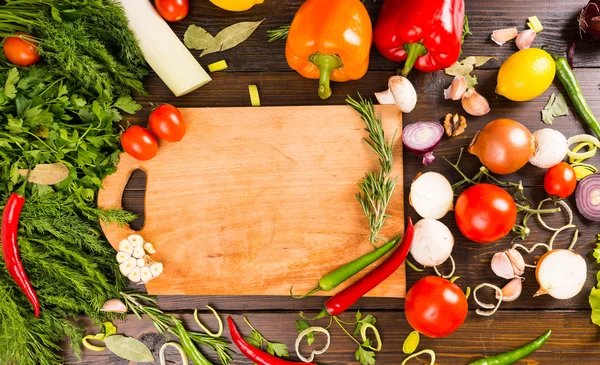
[(580, 156), (468, 292), (583, 170), (426, 351), (217, 66), (588, 145), (411, 343), (254, 96), (412, 266), (363, 335), (219, 333), (161, 354), (312, 354), (89, 346)]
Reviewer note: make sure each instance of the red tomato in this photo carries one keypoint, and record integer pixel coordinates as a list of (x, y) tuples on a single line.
[(21, 52), (485, 213), (172, 10), (166, 122), (435, 307), (560, 180), (139, 143)]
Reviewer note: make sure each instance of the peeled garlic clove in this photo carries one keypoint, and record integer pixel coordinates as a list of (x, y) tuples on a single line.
[(156, 269), (114, 306), (138, 252), (136, 240), (475, 104), (125, 246), (122, 257), (127, 266), (385, 97), (457, 89), (502, 36), (511, 291), (149, 248), (517, 261), (135, 275), (141, 262), (525, 38), (502, 266), (146, 274)]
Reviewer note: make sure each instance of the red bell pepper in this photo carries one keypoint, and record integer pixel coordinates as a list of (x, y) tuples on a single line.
[(425, 33)]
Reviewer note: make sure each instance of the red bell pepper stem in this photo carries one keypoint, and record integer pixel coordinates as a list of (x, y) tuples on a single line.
[(337, 304), (413, 51), (259, 357), (10, 248)]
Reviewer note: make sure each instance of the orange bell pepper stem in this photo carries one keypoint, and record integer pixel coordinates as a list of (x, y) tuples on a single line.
[(326, 64)]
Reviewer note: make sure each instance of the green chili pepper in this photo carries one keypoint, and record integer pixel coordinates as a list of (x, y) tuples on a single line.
[(567, 77), (515, 355), (336, 277), (188, 346)]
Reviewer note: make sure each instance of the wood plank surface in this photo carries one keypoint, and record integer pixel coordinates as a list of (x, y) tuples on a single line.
[(574, 340)]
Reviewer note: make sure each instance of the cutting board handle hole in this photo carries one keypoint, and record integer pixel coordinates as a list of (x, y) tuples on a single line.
[(134, 197)]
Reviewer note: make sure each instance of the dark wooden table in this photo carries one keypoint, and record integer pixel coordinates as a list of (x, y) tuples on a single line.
[(574, 338)]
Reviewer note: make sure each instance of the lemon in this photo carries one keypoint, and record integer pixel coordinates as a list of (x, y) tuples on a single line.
[(526, 74)]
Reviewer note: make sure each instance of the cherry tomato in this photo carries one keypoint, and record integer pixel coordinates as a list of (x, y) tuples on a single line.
[(485, 213), (21, 52), (560, 180), (166, 122), (139, 143), (435, 307), (172, 10)]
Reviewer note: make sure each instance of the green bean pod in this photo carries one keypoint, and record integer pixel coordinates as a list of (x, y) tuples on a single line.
[(569, 80), (513, 356), (188, 345)]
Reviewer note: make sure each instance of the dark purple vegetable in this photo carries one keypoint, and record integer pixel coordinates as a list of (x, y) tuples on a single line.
[(421, 138), (587, 197), (571, 54), (589, 19)]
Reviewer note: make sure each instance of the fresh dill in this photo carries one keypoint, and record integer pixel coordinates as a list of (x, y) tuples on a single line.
[(377, 188)]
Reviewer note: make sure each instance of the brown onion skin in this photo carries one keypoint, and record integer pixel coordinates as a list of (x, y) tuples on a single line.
[(503, 146)]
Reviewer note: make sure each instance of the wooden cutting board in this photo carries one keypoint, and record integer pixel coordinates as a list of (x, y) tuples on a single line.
[(253, 200)]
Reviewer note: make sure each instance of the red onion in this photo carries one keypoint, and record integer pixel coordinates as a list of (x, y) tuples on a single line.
[(421, 138), (589, 19), (587, 197), (571, 54)]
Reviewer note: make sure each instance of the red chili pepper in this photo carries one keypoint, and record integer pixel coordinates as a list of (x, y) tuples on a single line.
[(258, 356), (425, 33), (337, 304), (10, 248)]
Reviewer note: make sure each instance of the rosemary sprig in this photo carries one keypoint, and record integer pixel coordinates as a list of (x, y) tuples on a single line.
[(377, 188), (278, 34), (140, 304)]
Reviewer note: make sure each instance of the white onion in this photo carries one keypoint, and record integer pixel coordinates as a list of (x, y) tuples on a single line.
[(551, 148), (432, 242), (561, 274), (431, 195)]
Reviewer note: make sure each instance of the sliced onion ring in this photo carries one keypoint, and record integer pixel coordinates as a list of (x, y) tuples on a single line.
[(313, 353), (219, 333), (531, 249), (563, 204), (451, 272), (363, 335), (161, 353), (583, 138), (426, 351), (493, 307), (89, 346)]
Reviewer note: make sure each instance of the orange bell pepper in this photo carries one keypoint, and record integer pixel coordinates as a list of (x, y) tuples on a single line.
[(330, 40)]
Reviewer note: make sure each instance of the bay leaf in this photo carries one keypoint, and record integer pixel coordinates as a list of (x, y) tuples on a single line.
[(128, 348), (231, 36), (196, 37), (465, 67), (47, 174)]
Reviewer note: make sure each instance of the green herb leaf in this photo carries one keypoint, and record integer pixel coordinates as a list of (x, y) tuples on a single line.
[(127, 104), (255, 339), (46, 174), (301, 326), (277, 349), (594, 298), (197, 38), (108, 329), (466, 29), (12, 78), (128, 348), (368, 319), (231, 37), (555, 107), (471, 81), (364, 356)]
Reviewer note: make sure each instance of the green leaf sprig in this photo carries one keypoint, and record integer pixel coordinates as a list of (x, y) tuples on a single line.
[(257, 340)]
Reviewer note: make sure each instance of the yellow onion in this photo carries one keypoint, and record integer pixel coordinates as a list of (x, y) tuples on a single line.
[(503, 146)]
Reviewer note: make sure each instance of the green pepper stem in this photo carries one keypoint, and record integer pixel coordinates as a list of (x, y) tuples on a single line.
[(313, 291), (326, 63), (413, 51)]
